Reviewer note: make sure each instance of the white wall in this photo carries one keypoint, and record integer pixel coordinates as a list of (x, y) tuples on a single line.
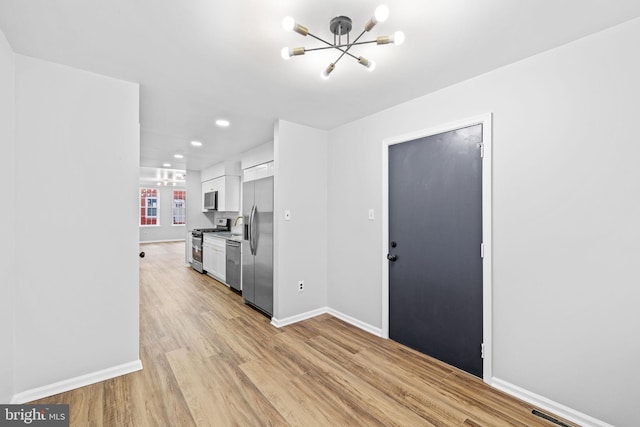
[(77, 163), (230, 167), (256, 156), (165, 231), (7, 218), (565, 201), (300, 247)]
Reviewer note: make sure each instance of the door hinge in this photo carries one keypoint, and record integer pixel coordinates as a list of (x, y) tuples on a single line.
[(481, 145), (482, 350), (481, 250)]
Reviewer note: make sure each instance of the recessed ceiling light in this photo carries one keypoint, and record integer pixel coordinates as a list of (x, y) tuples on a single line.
[(196, 143), (222, 123), (166, 165), (178, 156)]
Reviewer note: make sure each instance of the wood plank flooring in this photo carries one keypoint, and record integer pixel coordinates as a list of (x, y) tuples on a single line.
[(209, 360)]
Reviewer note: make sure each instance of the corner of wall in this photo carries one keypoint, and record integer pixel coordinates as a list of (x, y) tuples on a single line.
[(300, 245), (87, 322), (7, 220)]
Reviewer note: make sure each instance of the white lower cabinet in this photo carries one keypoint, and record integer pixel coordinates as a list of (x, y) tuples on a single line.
[(214, 257)]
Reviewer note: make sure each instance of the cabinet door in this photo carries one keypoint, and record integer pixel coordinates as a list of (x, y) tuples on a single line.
[(250, 174), (222, 193), (262, 171), (220, 262), (231, 194), (208, 258)]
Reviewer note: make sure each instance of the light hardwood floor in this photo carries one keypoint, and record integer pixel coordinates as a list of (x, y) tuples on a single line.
[(209, 360)]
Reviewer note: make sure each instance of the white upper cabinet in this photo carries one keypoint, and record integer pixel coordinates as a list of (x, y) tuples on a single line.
[(229, 194), (257, 172), (228, 189)]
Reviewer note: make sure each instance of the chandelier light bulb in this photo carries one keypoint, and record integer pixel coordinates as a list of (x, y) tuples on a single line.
[(288, 23), (341, 26), (325, 73), (381, 13), (371, 66), (397, 38)]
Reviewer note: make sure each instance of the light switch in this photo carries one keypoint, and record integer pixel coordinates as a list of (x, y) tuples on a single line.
[(371, 215), (287, 215)]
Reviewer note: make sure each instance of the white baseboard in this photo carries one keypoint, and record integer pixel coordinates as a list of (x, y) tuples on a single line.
[(355, 322), (279, 323), (142, 242), (545, 404), (77, 382)]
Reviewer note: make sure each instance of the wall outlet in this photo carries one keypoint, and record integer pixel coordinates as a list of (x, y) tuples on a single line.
[(300, 285)]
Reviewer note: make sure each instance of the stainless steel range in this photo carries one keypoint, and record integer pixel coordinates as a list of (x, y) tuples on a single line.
[(222, 224)]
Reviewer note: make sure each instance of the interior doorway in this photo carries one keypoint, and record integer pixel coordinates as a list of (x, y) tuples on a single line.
[(437, 238)]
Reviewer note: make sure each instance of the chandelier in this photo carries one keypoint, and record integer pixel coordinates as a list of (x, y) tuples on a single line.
[(341, 26)]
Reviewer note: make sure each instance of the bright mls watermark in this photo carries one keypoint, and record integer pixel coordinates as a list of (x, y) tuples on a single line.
[(34, 415)]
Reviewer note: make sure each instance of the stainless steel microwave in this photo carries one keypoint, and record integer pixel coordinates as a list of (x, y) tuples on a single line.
[(211, 200)]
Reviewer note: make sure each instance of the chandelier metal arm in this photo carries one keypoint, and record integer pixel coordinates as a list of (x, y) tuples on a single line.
[(336, 46), (339, 46), (322, 40), (341, 26), (329, 45), (349, 47)]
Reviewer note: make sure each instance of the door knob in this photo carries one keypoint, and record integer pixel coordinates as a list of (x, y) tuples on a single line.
[(392, 258)]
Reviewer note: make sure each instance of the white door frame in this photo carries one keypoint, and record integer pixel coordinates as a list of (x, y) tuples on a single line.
[(485, 120)]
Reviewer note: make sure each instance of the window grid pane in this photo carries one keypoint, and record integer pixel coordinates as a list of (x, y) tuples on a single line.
[(149, 206), (179, 207)]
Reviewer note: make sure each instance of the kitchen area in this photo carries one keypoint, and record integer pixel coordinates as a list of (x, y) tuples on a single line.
[(230, 226)]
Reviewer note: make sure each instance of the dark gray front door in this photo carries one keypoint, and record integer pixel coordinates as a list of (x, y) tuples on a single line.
[(435, 224)]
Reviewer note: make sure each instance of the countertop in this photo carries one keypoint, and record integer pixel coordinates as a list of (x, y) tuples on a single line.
[(225, 235)]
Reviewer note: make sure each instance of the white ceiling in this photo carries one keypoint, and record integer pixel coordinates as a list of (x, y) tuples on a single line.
[(200, 60)]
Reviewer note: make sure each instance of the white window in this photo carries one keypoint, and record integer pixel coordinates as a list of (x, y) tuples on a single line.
[(179, 207), (149, 206)]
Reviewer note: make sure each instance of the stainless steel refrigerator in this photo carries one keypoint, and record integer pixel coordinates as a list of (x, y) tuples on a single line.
[(257, 244)]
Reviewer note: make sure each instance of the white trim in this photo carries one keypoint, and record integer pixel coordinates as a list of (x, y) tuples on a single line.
[(142, 242), (545, 404), (355, 322), (486, 121), (77, 382), (279, 323)]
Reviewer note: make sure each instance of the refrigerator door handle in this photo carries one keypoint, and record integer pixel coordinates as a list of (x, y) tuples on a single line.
[(254, 233), (252, 230)]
